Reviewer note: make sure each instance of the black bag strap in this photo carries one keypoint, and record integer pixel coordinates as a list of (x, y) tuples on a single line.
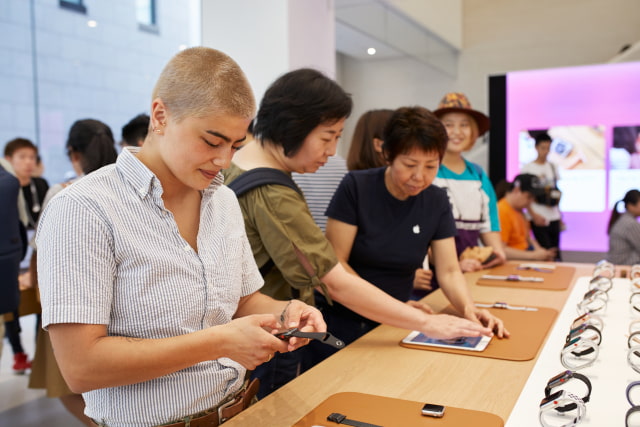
[(258, 177)]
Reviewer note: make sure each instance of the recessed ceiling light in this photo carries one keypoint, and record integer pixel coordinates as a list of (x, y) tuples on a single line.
[(91, 23), (371, 51)]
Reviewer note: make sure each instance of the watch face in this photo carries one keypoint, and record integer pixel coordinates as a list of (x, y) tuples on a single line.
[(552, 399), (560, 378), (571, 342)]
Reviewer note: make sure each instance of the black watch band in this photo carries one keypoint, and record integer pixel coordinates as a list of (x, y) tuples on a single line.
[(567, 375), (631, 411), (324, 337), (342, 419)]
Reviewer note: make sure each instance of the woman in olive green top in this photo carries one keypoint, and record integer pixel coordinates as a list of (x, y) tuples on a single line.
[(298, 126)]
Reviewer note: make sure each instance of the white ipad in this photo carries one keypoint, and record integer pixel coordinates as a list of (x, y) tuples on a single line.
[(462, 343)]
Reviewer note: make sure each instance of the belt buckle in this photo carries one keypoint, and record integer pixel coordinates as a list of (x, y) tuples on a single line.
[(227, 404)]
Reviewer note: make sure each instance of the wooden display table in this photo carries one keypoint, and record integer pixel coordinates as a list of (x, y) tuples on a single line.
[(375, 364)]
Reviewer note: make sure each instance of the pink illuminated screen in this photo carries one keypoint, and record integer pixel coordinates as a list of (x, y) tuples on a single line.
[(582, 108)]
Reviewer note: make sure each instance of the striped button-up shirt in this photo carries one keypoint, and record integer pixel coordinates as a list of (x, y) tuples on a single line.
[(110, 253)]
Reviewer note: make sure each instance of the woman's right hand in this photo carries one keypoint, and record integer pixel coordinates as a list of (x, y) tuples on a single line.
[(446, 326), (422, 280)]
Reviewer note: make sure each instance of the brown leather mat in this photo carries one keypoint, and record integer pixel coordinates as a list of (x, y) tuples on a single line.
[(528, 331), (390, 412), (557, 280)]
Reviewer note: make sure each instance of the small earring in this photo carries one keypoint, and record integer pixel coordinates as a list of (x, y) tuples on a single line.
[(156, 130)]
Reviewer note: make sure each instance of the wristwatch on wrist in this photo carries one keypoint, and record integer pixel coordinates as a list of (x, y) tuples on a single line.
[(548, 414), (342, 419), (601, 283), (579, 353), (563, 378)]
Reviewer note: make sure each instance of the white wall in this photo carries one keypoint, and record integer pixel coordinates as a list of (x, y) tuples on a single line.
[(106, 72), (269, 38)]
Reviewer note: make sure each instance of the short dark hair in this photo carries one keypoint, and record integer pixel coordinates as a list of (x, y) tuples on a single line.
[(295, 104), (93, 140), (413, 127), (136, 130), (542, 137), (17, 144)]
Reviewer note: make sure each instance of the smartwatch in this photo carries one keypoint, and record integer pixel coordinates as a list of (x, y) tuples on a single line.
[(586, 331), (634, 300), (634, 326), (561, 379), (342, 419), (579, 353), (601, 283), (630, 412), (593, 301), (633, 357), (604, 268), (634, 339), (630, 387), (635, 282), (634, 273), (548, 413), (588, 318)]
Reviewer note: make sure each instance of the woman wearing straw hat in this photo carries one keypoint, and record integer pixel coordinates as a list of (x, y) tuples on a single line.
[(470, 192)]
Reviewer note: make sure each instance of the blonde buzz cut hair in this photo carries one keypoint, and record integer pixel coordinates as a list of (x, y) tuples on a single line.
[(200, 81)]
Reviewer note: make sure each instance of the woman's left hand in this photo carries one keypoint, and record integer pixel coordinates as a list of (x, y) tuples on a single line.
[(487, 319)]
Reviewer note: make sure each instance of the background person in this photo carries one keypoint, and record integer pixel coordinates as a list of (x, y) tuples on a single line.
[(624, 231), (546, 219), (90, 145), (135, 131), (470, 192), (365, 151), (12, 243), (515, 232), (411, 215), (141, 310), (298, 126), (22, 154)]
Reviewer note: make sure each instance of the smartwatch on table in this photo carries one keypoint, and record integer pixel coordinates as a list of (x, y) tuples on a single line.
[(579, 353), (560, 380), (588, 318), (634, 273), (633, 357), (548, 409), (593, 300), (604, 268), (586, 331), (634, 300), (601, 283)]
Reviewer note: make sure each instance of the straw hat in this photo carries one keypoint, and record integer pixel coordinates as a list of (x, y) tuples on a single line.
[(458, 103)]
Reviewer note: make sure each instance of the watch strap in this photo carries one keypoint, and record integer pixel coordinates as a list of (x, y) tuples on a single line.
[(324, 337), (342, 419), (585, 398)]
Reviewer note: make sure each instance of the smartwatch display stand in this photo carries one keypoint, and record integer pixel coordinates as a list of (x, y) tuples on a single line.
[(528, 331), (609, 374), (557, 279), (390, 412)]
